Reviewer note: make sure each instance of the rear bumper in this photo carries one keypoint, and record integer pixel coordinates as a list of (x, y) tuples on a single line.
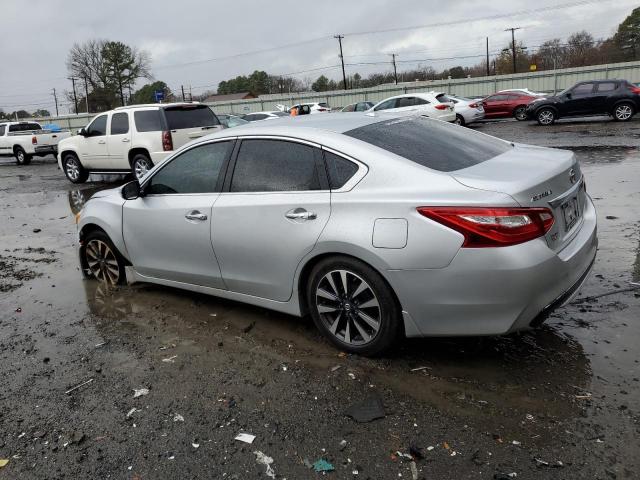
[(496, 291), (473, 116), (45, 150)]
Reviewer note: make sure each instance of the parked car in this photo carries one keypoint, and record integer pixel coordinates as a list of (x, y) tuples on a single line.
[(467, 110), (133, 138), (379, 226), (230, 121), (432, 104), (24, 140), (507, 104), (270, 115), (358, 107), (618, 98), (311, 108)]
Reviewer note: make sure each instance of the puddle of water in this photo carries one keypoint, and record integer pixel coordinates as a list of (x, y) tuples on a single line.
[(606, 154)]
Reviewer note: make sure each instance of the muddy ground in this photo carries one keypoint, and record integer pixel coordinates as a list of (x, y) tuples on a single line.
[(560, 402)]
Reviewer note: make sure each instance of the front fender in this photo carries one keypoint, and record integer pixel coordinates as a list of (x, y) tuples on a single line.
[(105, 213)]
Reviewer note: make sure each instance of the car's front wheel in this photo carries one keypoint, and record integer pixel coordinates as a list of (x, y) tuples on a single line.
[(546, 116), (21, 156), (102, 259), (73, 169), (623, 112), (520, 113), (353, 306), (140, 165)]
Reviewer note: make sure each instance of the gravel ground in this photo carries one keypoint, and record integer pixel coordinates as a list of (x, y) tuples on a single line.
[(560, 402)]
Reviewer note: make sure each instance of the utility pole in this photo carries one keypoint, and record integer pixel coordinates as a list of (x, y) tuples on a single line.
[(513, 44), (344, 75), (55, 98), (182, 88), (488, 70), (75, 98), (86, 92), (395, 71)]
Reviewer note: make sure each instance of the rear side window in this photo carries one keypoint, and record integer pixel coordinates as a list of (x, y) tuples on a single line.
[(275, 166), (340, 169), (431, 143), (148, 121), (349, 108), (194, 171), (607, 87), (119, 123), (190, 117), (24, 127)]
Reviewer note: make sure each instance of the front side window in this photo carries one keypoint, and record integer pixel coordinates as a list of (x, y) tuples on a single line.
[(406, 102), (120, 124), (98, 127), (349, 108), (583, 89), (194, 171), (386, 105), (148, 121), (340, 170), (275, 166)]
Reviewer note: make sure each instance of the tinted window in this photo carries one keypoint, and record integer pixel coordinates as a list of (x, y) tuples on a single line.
[(363, 106), (274, 166), (190, 117), (387, 104), (583, 89), (442, 98), (431, 143), (120, 123), (606, 87), (323, 104), (98, 127), (148, 121), (194, 171), (2, 129), (407, 102), (349, 108), (340, 169), (24, 127)]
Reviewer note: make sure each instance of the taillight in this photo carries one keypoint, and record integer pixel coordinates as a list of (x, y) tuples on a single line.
[(322, 109), (167, 141), (492, 226), (474, 105), (441, 106), (34, 140), (634, 89)]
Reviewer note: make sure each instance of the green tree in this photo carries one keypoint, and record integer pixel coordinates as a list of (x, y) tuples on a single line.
[(41, 113), (321, 84), (146, 93), (627, 37), (124, 65)]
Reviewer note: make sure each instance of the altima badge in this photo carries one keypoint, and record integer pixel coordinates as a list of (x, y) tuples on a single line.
[(540, 195)]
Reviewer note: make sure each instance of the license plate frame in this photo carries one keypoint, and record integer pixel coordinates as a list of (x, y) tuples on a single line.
[(571, 213)]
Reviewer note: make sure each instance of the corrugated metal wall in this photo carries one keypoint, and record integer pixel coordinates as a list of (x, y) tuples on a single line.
[(549, 81)]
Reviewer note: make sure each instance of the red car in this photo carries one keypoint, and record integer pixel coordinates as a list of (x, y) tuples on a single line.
[(507, 104)]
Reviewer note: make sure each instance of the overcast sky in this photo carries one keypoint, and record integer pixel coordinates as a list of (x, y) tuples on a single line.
[(38, 34)]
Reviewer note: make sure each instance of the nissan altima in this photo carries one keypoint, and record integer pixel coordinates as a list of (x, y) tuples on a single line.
[(379, 226)]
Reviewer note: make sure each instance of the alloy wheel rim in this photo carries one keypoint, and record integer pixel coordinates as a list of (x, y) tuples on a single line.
[(520, 114), (458, 121), (546, 117), (348, 307), (20, 156), (623, 112), (72, 169), (102, 262), (141, 168)]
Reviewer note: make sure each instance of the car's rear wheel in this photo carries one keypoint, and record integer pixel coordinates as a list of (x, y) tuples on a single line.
[(520, 113), (102, 259), (73, 169), (623, 112), (21, 156), (140, 165), (459, 120), (353, 306), (546, 116)]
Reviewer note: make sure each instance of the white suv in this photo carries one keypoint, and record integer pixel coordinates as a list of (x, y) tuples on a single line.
[(133, 139)]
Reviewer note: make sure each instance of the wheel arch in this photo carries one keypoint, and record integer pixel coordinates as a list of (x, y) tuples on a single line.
[(550, 107), (137, 150), (624, 100), (90, 227)]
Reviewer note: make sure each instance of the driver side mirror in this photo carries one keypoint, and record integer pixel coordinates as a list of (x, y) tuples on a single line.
[(82, 132), (132, 190)]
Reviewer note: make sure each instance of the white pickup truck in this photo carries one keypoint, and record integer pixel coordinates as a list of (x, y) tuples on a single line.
[(25, 140)]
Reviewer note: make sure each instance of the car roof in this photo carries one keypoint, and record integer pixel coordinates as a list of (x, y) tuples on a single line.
[(157, 105)]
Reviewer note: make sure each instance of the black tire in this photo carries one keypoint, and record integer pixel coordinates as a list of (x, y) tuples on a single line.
[(520, 113), (546, 116), (21, 156), (140, 165), (101, 259), (459, 120), (73, 169), (353, 312), (623, 111)]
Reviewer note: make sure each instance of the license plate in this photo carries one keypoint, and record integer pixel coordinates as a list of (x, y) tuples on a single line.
[(570, 212)]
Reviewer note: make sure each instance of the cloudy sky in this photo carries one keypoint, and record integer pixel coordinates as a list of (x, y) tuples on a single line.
[(200, 42)]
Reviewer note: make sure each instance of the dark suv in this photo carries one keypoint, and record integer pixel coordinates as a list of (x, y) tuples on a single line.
[(618, 98)]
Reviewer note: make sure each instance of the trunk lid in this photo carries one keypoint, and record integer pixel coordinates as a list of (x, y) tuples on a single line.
[(536, 177)]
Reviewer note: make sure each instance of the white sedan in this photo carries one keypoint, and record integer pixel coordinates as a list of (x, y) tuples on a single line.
[(467, 110), (432, 104)]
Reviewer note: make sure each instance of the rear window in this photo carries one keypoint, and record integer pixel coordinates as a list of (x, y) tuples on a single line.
[(442, 98), (431, 143), (324, 104), (148, 121), (24, 127), (190, 117)]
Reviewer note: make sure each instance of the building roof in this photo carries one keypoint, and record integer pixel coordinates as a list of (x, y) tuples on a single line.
[(229, 96)]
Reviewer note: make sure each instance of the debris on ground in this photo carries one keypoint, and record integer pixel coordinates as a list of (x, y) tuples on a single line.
[(369, 409), (170, 359), (504, 476), (265, 460), (249, 327), (195, 445), (79, 386), (352, 375), (416, 452), (323, 466), (418, 369), (406, 456), (246, 438), (336, 368), (178, 418), (414, 471), (3, 462), (343, 445), (140, 392), (131, 412)]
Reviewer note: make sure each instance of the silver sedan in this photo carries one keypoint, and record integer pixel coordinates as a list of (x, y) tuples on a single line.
[(378, 226)]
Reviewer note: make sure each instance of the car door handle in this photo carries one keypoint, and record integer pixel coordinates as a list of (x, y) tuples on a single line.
[(125, 140), (301, 214), (102, 142), (195, 215)]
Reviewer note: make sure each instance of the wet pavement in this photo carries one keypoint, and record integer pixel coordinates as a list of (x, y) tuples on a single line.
[(559, 402)]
